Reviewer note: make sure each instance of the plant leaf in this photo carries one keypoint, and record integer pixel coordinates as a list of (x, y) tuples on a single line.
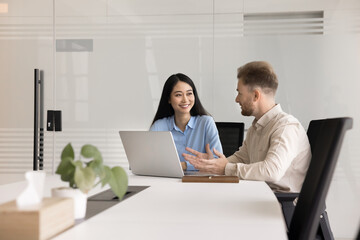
[(107, 176), (90, 151), (98, 168), (84, 177), (118, 181), (68, 152), (66, 170)]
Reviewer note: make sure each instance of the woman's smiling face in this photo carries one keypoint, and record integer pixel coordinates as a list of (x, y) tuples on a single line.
[(182, 98)]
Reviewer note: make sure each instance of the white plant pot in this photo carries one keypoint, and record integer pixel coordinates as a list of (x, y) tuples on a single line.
[(80, 199)]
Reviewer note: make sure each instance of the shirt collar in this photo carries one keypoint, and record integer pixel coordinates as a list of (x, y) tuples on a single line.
[(266, 118), (190, 124)]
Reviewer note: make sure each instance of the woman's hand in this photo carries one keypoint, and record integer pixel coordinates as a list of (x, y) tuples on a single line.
[(184, 166)]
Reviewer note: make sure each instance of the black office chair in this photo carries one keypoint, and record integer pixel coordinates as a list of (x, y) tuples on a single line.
[(308, 219), (231, 136)]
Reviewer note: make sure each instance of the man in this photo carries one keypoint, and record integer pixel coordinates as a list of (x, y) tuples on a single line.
[(276, 148)]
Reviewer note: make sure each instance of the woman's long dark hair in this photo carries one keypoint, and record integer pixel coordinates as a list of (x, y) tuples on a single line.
[(165, 109)]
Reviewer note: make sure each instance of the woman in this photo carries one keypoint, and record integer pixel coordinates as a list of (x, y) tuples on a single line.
[(181, 112)]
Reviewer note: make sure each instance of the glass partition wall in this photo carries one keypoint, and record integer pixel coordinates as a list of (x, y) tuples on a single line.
[(26, 43), (105, 63), (112, 59)]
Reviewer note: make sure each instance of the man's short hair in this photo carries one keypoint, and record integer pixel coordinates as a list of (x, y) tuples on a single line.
[(259, 74)]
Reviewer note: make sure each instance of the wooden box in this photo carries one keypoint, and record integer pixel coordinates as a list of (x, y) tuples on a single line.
[(53, 216), (209, 179)]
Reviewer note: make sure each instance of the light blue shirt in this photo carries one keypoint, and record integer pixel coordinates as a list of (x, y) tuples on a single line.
[(199, 131)]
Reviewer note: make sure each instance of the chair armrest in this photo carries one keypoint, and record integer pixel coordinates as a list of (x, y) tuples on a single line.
[(286, 197)]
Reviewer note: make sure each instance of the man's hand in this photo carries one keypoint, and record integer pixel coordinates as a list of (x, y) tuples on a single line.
[(207, 155), (205, 163)]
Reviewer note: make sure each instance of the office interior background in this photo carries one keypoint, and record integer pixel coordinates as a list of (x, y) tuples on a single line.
[(105, 62)]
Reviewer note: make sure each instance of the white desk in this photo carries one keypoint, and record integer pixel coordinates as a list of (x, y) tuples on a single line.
[(170, 209)]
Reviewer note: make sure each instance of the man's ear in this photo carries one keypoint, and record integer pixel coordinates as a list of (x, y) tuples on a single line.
[(257, 95)]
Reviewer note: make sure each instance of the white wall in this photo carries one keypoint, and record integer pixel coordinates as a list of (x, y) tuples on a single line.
[(138, 44)]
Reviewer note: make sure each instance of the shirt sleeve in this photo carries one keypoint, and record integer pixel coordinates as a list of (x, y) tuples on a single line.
[(160, 125), (282, 150), (212, 136), (153, 127)]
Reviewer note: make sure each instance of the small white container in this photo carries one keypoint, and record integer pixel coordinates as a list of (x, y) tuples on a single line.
[(80, 199)]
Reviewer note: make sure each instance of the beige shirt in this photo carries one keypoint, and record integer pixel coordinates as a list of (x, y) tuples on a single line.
[(276, 150)]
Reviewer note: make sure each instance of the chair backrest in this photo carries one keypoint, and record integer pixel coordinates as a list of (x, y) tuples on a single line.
[(231, 136), (326, 137)]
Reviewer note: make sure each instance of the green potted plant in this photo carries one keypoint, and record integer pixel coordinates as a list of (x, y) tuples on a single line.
[(86, 173)]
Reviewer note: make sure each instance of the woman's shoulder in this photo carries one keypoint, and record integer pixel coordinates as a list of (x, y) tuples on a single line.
[(162, 120), (161, 124), (205, 120)]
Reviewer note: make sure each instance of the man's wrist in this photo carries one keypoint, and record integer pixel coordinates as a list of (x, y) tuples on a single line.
[(230, 169)]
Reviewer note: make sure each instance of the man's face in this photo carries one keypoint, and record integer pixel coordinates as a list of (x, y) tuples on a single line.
[(244, 98)]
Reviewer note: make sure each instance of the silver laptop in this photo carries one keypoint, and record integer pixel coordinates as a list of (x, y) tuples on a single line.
[(153, 154)]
